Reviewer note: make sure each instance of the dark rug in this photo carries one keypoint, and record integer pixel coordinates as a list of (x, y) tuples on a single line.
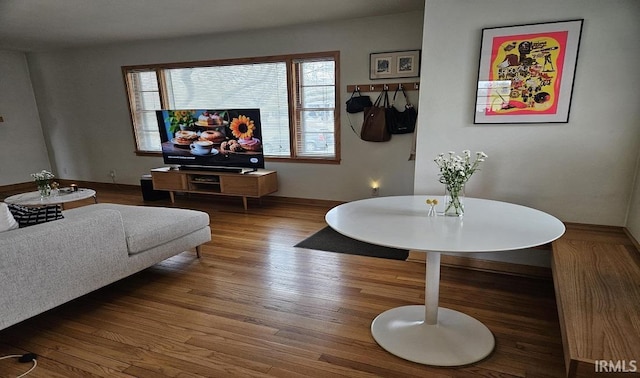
[(330, 240)]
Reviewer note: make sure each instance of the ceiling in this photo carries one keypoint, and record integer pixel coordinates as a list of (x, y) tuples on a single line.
[(39, 25)]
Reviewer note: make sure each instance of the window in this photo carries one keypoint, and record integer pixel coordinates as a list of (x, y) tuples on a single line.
[(297, 97), (315, 104), (144, 100)]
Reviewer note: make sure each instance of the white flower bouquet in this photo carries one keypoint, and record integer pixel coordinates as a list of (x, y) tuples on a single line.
[(43, 175), (455, 171), (42, 179)]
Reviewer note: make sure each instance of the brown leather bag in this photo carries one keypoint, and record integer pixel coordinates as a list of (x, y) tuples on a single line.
[(374, 126)]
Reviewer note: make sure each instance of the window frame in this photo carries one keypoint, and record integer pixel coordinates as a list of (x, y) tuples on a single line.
[(290, 60)]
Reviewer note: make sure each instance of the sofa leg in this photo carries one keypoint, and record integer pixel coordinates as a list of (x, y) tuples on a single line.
[(198, 251)]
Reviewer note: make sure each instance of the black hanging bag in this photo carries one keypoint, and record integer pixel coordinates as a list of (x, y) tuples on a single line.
[(357, 102), (401, 122)]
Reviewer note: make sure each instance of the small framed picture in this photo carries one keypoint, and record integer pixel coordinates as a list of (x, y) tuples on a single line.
[(394, 64)]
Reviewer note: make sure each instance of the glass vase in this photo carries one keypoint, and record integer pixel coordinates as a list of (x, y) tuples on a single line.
[(44, 188), (454, 200)]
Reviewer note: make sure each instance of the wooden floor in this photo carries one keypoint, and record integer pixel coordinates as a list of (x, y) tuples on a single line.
[(255, 306)]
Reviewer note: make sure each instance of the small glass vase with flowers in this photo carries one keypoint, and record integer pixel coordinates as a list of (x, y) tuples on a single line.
[(43, 182), (455, 171)]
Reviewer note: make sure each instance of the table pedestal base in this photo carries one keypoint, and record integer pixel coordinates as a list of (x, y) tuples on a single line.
[(456, 340)]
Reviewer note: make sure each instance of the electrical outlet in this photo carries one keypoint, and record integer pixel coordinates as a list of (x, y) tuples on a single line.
[(112, 173), (374, 192)]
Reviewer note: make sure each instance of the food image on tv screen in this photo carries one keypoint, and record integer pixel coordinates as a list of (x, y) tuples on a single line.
[(210, 137)]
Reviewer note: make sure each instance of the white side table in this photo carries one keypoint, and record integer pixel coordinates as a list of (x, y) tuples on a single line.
[(63, 196)]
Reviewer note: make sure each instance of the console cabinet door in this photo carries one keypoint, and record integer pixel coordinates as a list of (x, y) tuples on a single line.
[(169, 181), (239, 185)]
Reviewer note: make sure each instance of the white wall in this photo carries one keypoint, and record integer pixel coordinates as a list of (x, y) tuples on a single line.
[(581, 171), (83, 107), (633, 221), (22, 145)]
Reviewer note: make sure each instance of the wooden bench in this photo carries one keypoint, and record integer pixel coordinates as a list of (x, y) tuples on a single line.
[(596, 274)]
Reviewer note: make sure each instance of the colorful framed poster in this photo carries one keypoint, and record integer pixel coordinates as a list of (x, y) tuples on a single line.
[(388, 65), (526, 72)]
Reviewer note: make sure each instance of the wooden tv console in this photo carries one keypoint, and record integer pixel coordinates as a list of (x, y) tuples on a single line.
[(254, 184)]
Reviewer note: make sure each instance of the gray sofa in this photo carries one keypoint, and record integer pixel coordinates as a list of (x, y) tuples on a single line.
[(48, 264)]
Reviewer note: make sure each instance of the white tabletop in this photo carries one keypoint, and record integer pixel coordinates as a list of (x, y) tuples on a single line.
[(63, 196), (402, 222)]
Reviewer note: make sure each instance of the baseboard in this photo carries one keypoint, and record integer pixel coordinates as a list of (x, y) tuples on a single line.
[(302, 201), (18, 188), (485, 265), (633, 240), (31, 186), (99, 185)]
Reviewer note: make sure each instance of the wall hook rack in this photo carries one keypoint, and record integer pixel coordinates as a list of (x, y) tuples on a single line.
[(411, 86)]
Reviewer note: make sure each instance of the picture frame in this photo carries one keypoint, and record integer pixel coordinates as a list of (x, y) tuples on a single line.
[(394, 64), (526, 72)]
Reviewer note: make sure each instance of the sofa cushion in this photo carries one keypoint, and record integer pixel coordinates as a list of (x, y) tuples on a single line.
[(7, 222), (148, 227), (29, 216)]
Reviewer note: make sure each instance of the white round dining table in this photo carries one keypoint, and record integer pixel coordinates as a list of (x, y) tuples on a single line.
[(429, 334)]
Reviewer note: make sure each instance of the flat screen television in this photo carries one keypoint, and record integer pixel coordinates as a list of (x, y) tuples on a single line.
[(209, 139)]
